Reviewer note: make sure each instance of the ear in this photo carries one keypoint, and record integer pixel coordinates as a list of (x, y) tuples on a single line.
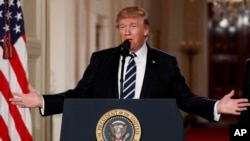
[(146, 31)]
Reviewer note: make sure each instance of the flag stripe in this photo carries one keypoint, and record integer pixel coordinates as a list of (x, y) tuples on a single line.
[(19, 123), (12, 133), (4, 135), (19, 71)]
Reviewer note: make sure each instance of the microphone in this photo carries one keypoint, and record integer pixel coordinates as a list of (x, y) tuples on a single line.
[(125, 46)]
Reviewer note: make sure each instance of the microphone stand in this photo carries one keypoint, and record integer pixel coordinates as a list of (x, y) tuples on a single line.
[(124, 52), (121, 77)]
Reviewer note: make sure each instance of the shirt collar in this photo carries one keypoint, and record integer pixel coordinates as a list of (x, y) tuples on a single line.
[(142, 52)]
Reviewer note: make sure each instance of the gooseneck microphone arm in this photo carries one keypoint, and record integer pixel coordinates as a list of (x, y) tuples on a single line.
[(125, 46), (121, 77)]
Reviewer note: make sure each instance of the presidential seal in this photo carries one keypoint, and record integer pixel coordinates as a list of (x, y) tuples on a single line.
[(118, 125)]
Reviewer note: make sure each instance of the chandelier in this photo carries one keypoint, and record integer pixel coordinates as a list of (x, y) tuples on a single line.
[(231, 13)]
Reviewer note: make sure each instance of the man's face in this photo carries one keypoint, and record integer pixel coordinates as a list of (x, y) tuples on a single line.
[(134, 30)]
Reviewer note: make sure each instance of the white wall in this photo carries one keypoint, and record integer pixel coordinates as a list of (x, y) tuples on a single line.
[(62, 48)]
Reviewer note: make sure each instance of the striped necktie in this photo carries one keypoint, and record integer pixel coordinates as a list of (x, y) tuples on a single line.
[(130, 77)]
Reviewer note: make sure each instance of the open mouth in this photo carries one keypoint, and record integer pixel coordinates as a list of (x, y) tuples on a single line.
[(129, 39)]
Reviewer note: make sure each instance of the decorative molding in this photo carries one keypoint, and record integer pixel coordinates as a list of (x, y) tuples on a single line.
[(35, 27)]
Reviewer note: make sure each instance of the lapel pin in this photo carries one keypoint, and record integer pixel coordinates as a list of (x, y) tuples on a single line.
[(153, 61)]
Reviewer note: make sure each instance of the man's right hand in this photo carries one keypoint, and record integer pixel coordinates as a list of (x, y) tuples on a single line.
[(27, 100)]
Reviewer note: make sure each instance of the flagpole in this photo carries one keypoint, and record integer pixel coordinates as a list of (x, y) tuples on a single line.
[(7, 46)]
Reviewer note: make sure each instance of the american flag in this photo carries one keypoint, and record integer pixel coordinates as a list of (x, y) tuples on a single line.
[(15, 123)]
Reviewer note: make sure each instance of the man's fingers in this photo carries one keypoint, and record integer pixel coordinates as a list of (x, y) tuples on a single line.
[(17, 99), (236, 113), (230, 94), (242, 100), (241, 109), (243, 104), (17, 94), (18, 103)]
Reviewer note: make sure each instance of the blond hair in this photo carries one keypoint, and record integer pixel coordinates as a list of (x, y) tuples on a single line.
[(130, 12)]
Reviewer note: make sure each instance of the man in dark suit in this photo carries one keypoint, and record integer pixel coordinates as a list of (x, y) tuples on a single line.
[(245, 116), (157, 76)]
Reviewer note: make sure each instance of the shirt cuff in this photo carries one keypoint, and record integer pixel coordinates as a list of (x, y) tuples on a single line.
[(216, 115), (42, 108)]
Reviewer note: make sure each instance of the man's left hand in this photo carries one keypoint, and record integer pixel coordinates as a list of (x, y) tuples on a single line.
[(227, 105)]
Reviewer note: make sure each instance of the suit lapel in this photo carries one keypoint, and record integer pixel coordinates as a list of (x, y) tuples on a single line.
[(148, 77), (114, 66)]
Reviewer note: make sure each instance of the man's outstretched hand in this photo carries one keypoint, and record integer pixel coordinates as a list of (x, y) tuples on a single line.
[(28, 100), (227, 105)]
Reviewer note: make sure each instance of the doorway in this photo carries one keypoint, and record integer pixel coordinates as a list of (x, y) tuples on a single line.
[(228, 46)]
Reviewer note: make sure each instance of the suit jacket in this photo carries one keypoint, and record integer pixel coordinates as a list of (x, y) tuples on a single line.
[(162, 79), (245, 116)]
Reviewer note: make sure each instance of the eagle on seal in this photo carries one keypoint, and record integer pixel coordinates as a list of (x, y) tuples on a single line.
[(118, 130)]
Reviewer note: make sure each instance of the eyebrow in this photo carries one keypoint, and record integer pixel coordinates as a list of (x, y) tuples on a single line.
[(129, 24)]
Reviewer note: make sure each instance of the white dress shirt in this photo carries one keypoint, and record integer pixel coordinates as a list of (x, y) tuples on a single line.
[(140, 61)]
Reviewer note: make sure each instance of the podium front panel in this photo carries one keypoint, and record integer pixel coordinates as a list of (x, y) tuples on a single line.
[(159, 119)]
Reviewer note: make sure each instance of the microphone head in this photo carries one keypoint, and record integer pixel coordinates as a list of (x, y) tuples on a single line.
[(125, 46)]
